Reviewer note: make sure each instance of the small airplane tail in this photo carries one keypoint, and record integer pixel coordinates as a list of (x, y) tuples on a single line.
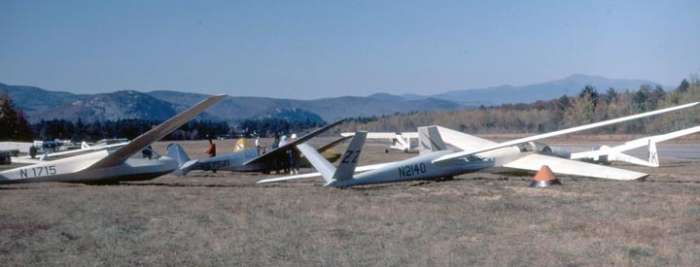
[(240, 145), (348, 162), (653, 154), (176, 152), (401, 143), (84, 145), (617, 155), (430, 140)]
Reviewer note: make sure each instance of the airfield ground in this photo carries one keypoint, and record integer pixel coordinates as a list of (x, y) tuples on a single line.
[(487, 218)]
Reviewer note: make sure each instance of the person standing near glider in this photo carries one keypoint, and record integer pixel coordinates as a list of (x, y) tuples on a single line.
[(211, 151)]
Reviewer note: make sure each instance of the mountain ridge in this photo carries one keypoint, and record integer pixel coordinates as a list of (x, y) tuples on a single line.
[(569, 85), (42, 104)]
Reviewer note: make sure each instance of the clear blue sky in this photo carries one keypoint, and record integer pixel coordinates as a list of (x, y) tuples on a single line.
[(310, 49)]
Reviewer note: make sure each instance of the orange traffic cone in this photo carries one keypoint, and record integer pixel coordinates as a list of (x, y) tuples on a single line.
[(544, 178)]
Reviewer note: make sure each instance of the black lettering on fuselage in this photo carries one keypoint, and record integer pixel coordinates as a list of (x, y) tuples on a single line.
[(38, 171), (350, 156), (412, 170)]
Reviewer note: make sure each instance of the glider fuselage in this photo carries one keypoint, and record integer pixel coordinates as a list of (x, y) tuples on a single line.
[(74, 170)]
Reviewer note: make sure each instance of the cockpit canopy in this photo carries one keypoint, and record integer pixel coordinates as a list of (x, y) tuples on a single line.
[(147, 153), (543, 148)]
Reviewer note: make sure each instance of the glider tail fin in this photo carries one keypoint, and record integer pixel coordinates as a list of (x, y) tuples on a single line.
[(176, 152), (653, 154), (184, 164), (348, 162), (653, 160), (430, 140), (401, 143)]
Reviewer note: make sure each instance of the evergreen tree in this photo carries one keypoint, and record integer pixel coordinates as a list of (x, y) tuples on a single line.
[(683, 87), (591, 92), (13, 125), (641, 97), (610, 95), (563, 103)]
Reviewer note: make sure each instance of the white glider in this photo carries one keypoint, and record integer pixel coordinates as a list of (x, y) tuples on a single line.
[(104, 166), (472, 154), (399, 141), (608, 154)]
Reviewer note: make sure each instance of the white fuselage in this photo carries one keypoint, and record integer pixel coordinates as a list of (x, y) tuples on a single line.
[(422, 168), (74, 169), (229, 162)]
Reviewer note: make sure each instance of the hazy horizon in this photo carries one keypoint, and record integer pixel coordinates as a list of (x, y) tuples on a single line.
[(666, 87), (308, 50)]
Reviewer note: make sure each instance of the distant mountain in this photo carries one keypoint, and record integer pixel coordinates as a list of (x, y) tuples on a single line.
[(570, 85), (111, 106), (294, 115), (330, 109), (40, 104), (33, 99)]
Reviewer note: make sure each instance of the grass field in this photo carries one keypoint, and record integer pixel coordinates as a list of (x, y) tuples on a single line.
[(488, 218)]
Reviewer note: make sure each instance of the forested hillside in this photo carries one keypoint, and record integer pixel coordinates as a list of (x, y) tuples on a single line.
[(590, 105)]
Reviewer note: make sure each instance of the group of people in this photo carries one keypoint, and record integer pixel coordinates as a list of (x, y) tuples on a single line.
[(289, 167), (211, 150)]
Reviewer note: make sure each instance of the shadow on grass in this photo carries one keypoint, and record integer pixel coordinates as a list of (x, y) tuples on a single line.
[(672, 182), (187, 185), (17, 188), (38, 185), (517, 173), (365, 188)]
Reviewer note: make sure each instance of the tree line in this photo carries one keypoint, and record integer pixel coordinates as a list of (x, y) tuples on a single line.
[(590, 105), (14, 126), (194, 130), (125, 128), (269, 127)]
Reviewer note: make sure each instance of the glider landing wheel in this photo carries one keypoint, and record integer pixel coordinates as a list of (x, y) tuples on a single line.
[(445, 178)]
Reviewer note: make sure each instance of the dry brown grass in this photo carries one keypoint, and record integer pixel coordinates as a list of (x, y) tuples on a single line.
[(224, 219)]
